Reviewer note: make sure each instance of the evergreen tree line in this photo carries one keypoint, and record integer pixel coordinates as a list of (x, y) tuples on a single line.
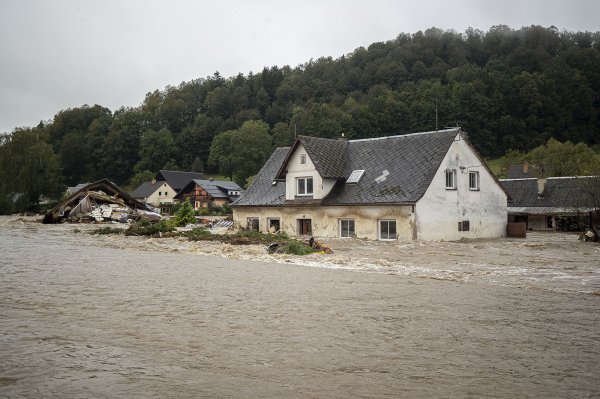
[(509, 89)]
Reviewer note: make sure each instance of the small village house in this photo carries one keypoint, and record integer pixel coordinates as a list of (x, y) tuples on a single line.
[(155, 193), (161, 191), (553, 203), (430, 185), (207, 193)]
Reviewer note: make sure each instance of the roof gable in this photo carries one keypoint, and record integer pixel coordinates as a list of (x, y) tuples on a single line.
[(398, 169), (146, 189), (177, 179), (214, 188), (328, 155)]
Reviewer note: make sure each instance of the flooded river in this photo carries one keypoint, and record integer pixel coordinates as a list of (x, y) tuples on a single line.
[(86, 316)]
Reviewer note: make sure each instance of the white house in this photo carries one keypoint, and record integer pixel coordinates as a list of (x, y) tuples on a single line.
[(155, 193), (430, 186)]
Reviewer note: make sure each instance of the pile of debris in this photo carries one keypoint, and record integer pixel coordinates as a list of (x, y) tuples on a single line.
[(590, 234), (102, 201), (317, 246)]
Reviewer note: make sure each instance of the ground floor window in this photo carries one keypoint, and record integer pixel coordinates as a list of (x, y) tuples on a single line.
[(387, 230), (347, 228), (304, 227), (274, 225), (253, 224), (464, 226)]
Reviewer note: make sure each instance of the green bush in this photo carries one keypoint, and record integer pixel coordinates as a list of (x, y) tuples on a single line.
[(297, 248), (146, 228), (107, 230), (200, 234), (185, 214)]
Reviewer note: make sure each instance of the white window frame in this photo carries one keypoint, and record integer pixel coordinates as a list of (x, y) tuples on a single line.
[(450, 173), (379, 229), (302, 185), (475, 180), (341, 229)]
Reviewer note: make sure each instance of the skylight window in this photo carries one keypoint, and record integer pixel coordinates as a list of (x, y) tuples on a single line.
[(355, 176)]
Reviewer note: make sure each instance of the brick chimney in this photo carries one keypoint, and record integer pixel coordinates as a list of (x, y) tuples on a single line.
[(525, 167)]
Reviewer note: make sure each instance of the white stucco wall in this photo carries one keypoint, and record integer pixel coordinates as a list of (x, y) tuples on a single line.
[(295, 169), (439, 210), (325, 219), (166, 195)]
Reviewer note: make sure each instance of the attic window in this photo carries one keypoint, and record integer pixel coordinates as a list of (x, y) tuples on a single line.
[(302, 159), (355, 176)]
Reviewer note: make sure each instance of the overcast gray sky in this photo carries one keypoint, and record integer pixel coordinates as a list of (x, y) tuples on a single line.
[(66, 53)]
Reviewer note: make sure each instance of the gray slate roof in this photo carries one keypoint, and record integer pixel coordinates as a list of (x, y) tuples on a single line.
[(215, 188), (218, 188), (410, 160), (145, 189), (329, 156), (559, 192), (176, 179)]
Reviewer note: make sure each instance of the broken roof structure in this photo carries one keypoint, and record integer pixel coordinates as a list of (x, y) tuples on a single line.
[(100, 201)]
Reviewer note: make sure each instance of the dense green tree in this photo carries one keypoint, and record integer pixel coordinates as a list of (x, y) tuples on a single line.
[(241, 153), (30, 169), (221, 153), (564, 159), (121, 147), (156, 150), (139, 178)]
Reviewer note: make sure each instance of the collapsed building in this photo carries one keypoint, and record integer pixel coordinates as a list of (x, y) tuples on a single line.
[(101, 201)]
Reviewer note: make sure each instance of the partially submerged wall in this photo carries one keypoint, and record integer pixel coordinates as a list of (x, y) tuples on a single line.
[(325, 220), (440, 210)]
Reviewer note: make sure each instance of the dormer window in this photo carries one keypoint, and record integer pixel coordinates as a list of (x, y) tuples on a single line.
[(303, 159), (304, 186)]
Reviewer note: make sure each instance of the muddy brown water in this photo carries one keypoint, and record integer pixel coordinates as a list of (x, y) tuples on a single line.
[(86, 316)]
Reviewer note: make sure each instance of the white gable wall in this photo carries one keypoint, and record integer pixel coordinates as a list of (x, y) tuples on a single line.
[(295, 169), (439, 210), (166, 195)]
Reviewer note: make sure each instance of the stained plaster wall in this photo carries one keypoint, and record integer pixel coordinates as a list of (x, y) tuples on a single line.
[(439, 210), (325, 219)]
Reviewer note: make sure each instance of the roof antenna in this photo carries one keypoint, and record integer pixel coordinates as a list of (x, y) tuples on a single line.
[(436, 117)]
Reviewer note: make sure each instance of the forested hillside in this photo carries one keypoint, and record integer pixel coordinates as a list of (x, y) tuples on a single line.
[(509, 89)]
